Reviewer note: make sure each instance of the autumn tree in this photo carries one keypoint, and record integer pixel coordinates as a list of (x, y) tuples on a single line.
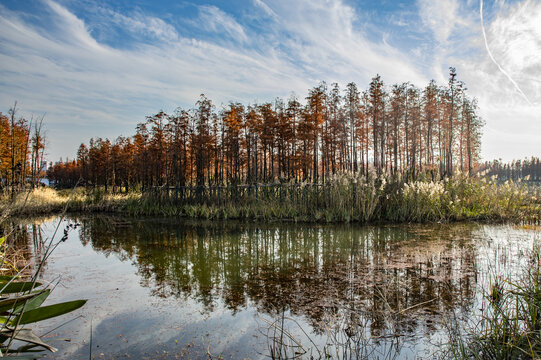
[(430, 114), (401, 129), (451, 94), (233, 119), (377, 114), (316, 118), (202, 139), (293, 114), (350, 124), (179, 134)]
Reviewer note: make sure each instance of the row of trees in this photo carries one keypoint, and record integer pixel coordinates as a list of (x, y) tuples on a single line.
[(398, 129), (527, 169), (22, 146)]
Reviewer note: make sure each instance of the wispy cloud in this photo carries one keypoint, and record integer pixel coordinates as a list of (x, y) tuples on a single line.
[(440, 16), (514, 37), (268, 11), (492, 56), (87, 85), (78, 31), (324, 38), (83, 84), (146, 25), (513, 122), (213, 19)]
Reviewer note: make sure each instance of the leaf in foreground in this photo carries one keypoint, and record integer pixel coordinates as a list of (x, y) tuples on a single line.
[(28, 336), (47, 312)]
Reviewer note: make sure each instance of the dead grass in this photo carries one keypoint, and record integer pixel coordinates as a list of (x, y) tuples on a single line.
[(47, 200)]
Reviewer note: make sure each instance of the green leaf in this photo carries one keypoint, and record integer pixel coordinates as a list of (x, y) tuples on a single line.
[(10, 301), (16, 287), (47, 312), (7, 278), (35, 302), (2, 239)]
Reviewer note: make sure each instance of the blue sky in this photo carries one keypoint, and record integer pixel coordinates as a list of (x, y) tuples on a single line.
[(97, 68)]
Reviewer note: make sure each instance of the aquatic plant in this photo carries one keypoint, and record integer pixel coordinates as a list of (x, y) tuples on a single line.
[(21, 301), (510, 325)]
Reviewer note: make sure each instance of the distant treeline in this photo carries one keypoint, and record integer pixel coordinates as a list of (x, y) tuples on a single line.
[(22, 145), (403, 129), (527, 169)]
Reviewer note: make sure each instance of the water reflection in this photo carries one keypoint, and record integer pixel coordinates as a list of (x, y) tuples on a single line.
[(387, 279), (22, 247)]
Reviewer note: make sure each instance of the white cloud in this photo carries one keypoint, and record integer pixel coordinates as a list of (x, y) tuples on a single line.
[(513, 123), (440, 16), (268, 11), (78, 31), (515, 40), (90, 89), (324, 38), (214, 19), (146, 25)]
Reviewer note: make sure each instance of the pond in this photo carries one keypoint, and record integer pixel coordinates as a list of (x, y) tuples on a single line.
[(169, 289)]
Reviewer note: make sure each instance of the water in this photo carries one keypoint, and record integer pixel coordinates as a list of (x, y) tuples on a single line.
[(169, 289)]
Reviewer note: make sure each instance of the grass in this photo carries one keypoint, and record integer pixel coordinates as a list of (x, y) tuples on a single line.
[(510, 326), (47, 200), (344, 198)]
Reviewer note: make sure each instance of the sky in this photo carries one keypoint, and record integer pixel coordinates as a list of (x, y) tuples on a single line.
[(96, 68)]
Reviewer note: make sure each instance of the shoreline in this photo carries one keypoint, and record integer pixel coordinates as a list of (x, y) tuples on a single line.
[(498, 204)]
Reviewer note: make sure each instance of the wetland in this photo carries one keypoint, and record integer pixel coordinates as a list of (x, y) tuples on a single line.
[(169, 288)]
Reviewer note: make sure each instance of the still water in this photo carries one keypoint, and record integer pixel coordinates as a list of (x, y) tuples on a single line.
[(169, 289)]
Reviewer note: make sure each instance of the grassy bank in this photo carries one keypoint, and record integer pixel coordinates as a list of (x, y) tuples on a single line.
[(47, 200), (344, 198)]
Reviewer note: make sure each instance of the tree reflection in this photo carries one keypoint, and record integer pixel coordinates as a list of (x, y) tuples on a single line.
[(401, 279)]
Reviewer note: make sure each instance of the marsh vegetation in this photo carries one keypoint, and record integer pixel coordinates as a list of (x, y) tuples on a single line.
[(343, 198)]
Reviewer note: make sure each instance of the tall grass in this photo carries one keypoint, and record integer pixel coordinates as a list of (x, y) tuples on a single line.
[(358, 198), (510, 326), (45, 200), (344, 197)]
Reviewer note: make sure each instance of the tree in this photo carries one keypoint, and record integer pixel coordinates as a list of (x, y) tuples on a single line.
[(316, 112), (353, 111), (402, 130), (178, 129), (233, 119), (293, 113), (451, 113), (38, 149), (157, 147), (202, 139), (377, 112), (396, 116), (430, 99)]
